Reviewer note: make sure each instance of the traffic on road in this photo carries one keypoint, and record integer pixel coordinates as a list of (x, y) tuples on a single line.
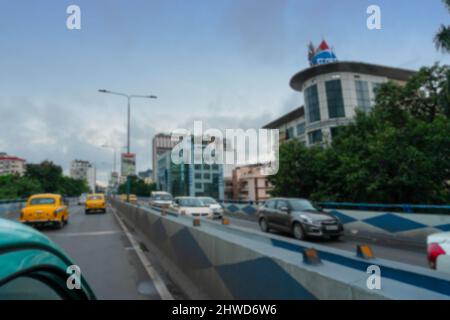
[(230, 150), (99, 248)]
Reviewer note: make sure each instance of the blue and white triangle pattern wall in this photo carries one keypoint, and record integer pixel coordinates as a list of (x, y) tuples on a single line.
[(414, 225)]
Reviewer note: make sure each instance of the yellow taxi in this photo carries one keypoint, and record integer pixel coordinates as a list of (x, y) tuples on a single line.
[(95, 202), (133, 198), (45, 209)]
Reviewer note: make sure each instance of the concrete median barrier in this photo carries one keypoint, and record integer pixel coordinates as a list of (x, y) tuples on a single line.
[(374, 222), (229, 262), (10, 209)]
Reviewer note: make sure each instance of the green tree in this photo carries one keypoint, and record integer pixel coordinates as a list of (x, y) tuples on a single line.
[(377, 161), (47, 173), (299, 171), (426, 94), (72, 187), (13, 187), (40, 178), (398, 153), (442, 38), (138, 187)]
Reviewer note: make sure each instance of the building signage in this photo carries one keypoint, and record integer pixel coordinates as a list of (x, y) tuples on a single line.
[(128, 164), (320, 55)]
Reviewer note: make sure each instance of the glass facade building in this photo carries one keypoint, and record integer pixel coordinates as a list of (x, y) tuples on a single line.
[(190, 179), (315, 137), (334, 99), (312, 103), (362, 95), (301, 129), (332, 94)]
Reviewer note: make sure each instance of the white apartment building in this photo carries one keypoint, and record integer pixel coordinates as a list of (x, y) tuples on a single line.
[(332, 90), (248, 183), (11, 165), (84, 170), (332, 94)]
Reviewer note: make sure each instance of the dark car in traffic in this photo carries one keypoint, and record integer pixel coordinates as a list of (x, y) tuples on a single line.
[(300, 218)]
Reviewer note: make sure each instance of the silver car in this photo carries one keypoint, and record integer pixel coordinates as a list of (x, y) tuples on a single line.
[(214, 206), (161, 199)]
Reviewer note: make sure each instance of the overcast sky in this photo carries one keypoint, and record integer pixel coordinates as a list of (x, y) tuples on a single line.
[(227, 62)]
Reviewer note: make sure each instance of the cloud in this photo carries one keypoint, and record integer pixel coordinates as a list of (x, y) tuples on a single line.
[(38, 129), (223, 121), (69, 130), (259, 27)]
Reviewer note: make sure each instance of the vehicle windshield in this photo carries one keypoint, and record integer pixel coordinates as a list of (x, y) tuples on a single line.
[(162, 197), (191, 202), (301, 205), (39, 201), (95, 198), (208, 201)]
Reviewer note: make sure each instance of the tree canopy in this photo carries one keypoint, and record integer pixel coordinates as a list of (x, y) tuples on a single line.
[(45, 177), (397, 153), (442, 38), (138, 187)]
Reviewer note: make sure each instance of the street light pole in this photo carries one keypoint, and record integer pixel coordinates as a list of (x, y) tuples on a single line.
[(128, 96), (128, 126)]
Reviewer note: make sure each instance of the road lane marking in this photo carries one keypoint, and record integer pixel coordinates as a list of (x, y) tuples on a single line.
[(83, 234), (154, 276)]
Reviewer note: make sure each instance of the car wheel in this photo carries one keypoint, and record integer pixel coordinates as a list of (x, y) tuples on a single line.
[(86, 211), (263, 225), (335, 238), (60, 224), (297, 231)]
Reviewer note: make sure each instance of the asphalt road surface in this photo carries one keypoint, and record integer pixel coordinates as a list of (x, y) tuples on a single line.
[(114, 267), (98, 244), (412, 256)]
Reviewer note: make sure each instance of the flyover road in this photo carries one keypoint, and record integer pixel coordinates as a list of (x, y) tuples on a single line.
[(394, 252), (111, 257), (412, 256)]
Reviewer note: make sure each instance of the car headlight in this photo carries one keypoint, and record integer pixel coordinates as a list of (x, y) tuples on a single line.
[(309, 220)]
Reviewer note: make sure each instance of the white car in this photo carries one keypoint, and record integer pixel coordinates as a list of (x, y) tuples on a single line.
[(191, 206), (438, 251), (161, 199), (214, 206), (82, 199)]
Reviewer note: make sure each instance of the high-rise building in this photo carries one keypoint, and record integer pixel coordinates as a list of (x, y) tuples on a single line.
[(84, 170), (147, 176), (333, 90), (189, 179), (114, 182), (92, 178), (161, 143), (11, 165)]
